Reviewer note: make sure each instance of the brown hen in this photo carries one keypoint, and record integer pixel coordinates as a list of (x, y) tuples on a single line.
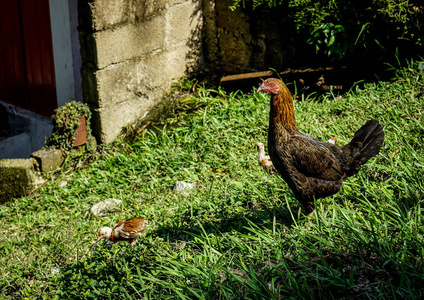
[(311, 168), (126, 230)]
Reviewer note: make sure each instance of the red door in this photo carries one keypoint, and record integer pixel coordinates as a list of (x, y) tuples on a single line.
[(27, 75)]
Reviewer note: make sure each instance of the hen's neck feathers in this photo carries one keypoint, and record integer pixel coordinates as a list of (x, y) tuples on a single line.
[(282, 110)]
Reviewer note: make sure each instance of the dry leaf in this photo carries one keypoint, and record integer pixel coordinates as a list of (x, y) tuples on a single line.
[(394, 153)]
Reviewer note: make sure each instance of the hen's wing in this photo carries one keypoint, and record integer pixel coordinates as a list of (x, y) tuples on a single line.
[(133, 228), (313, 159)]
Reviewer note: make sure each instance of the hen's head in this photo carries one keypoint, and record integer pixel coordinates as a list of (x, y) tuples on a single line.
[(104, 232), (271, 86)]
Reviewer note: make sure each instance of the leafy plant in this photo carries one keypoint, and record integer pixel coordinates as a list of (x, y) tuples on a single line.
[(185, 84), (66, 122), (336, 26), (330, 39)]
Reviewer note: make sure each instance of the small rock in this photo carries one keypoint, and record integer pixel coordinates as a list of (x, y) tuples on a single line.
[(63, 183), (55, 271), (182, 187), (48, 160), (17, 178), (103, 207)]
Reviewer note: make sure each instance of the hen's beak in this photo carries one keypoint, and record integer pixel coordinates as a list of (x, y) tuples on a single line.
[(99, 237), (259, 89)]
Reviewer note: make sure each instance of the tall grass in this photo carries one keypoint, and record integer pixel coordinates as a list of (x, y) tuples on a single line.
[(240, 233)]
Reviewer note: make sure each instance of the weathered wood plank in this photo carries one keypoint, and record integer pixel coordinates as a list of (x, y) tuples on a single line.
[(244, 76), (252, 75)]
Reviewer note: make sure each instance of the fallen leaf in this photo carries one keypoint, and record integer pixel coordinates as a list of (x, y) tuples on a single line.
[(394, 153)]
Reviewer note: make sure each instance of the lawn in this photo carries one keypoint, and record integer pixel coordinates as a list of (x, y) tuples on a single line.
[(239, 234)]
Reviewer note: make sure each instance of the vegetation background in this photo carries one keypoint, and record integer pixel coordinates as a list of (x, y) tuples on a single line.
[(347, 31), (239, 234)]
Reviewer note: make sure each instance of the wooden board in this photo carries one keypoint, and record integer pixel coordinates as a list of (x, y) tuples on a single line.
[(264, 74)]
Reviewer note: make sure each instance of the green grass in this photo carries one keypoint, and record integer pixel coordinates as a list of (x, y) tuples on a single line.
[(240, 233)]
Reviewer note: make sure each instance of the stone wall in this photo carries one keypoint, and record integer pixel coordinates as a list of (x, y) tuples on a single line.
[(245, 40), (132, 52)]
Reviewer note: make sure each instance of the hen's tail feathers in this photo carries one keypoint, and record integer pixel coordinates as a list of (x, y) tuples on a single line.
[(369, 139)]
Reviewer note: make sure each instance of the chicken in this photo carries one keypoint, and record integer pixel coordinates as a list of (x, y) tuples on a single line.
[(311, 168), (264, 160), (126, 230)]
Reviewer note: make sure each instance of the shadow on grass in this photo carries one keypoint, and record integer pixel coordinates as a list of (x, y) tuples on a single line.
[(264, 219)]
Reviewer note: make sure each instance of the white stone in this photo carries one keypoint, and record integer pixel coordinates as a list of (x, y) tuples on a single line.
[(103, 207), (182, 187)]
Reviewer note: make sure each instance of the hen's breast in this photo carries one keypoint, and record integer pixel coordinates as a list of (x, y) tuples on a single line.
[(279, 149)]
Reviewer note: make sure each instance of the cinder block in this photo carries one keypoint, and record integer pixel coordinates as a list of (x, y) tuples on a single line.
[(114, 118), (109, 13), (147, 9), (48, 160), (182, 61), (17, 178), (129, 41), (120, 82), (176, 2), (133, 79), (185, 23)]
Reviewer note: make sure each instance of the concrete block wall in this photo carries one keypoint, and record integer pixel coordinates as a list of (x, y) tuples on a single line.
[(247, 41), (132, 52)]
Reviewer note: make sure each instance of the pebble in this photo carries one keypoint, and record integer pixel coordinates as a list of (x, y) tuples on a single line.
[(103, 207), (55, 271), (63, 183), (182, 187)]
